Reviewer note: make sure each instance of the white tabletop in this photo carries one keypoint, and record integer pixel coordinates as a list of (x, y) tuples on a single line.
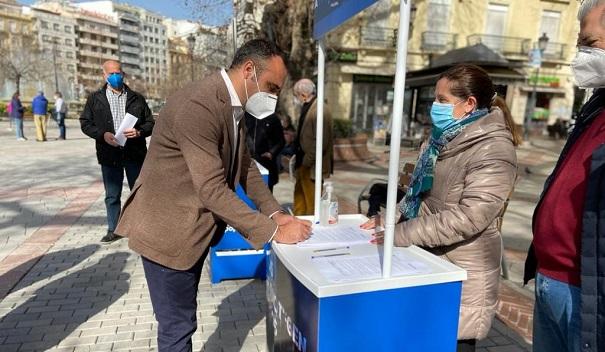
[(299, 262)]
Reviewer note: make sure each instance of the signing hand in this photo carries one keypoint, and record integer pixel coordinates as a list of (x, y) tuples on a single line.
[(110, 139), (267, 155), (132, 133), (293, 231)]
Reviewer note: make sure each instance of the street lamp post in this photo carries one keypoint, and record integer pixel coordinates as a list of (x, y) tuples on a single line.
[(55, 64), (191, 42), (531, 104)]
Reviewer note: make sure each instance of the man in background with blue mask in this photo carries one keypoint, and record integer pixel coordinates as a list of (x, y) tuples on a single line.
[(567, 257), (104, 112)]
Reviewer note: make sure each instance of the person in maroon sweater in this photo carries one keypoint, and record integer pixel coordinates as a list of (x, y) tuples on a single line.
[(567, 257)]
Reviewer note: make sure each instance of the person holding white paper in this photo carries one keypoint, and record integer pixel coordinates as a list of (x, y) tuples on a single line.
[(106, 110)]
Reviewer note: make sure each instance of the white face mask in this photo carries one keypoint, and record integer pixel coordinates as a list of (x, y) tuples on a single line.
[(260, 104), (589, 67)]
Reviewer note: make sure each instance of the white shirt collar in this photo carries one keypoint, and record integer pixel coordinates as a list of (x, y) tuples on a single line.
[(235, 102)]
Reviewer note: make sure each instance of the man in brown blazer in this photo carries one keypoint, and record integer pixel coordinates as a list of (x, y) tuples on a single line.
[(184, 196)]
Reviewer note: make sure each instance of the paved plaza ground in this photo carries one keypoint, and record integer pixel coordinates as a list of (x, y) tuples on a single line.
[(61, 290)]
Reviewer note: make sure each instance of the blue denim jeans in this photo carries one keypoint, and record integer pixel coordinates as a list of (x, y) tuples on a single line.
[(556, 316), (18, 127), (113, 177), (60, 117)]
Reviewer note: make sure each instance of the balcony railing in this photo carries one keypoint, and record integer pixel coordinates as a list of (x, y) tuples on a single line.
[(129, 28), (104, 44), (131, 60), (555, 51), (378, 37), (508, 46), (129, 38), (130, 49), (435, 42)]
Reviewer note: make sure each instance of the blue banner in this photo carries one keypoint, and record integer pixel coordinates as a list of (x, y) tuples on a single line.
[(330, 14)]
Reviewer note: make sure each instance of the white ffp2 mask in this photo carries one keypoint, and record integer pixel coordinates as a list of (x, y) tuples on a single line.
[(260, 104), (589, 67)]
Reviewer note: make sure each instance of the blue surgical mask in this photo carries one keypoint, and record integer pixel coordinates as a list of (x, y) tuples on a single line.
[(442, 117), (116, 80)]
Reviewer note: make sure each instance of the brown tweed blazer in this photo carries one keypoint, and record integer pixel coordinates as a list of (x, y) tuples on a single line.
[(184, 196)]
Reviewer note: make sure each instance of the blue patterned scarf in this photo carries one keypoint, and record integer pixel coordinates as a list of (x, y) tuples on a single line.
[(422, 177)]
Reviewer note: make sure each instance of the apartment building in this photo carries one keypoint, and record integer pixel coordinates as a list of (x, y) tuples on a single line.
[(58, 41), (98, 42), (16, 26), (17, 38), (155, 50), (362, 54)]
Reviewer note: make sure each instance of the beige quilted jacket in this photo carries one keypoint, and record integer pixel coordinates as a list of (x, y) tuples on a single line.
[(459, 217)]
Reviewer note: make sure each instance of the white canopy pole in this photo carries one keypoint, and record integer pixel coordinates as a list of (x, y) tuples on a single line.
[(402, 51), (321, 69)]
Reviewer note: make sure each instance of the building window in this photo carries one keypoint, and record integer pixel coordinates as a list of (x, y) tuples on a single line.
[(551, 21), (69, 55), (45, 38), (67, 29), (70, 67), (438, 15), (44, 25), (56, 27), (495, 27), (12, 26)]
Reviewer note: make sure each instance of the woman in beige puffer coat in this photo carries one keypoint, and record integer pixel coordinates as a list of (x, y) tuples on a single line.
[(461, 182)]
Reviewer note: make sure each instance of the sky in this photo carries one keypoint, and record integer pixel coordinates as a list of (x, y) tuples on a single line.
[(171, 8)]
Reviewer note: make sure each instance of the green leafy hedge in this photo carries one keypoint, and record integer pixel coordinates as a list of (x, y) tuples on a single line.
[(343, 128)]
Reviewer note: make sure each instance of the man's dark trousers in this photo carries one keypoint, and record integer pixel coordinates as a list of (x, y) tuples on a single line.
[(173, 297), (113, 177)]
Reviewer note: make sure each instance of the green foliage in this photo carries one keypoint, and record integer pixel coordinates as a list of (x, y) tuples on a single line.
[(343, 128)]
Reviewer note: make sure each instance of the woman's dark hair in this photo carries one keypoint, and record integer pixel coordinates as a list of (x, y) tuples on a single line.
[(15, 95), (470, 80), (508, 118)]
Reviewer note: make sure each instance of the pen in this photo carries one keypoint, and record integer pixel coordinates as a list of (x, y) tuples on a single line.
[(290, 211), (328, 255), (330, 249)]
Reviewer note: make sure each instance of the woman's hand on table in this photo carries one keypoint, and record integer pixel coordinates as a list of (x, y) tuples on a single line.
[(373, 223)]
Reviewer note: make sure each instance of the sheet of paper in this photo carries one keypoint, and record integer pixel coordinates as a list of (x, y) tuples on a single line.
[(337, 236), (347, 268), (128, 122)]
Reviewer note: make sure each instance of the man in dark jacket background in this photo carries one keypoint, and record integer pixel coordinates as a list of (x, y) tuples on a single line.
[(265, 140), (567, 257), (104, 112)]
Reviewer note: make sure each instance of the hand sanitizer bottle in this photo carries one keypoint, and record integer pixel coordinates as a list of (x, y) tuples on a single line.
[(328, 211)]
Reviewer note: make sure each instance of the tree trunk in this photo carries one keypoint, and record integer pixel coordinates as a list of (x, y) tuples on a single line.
[(18, 82)]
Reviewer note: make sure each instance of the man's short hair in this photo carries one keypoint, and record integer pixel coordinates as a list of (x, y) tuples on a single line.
[(259, 51), (305, 86), (586, 6)]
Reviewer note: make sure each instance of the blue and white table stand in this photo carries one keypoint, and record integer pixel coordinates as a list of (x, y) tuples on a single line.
[(308, 313), (233, 257)]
